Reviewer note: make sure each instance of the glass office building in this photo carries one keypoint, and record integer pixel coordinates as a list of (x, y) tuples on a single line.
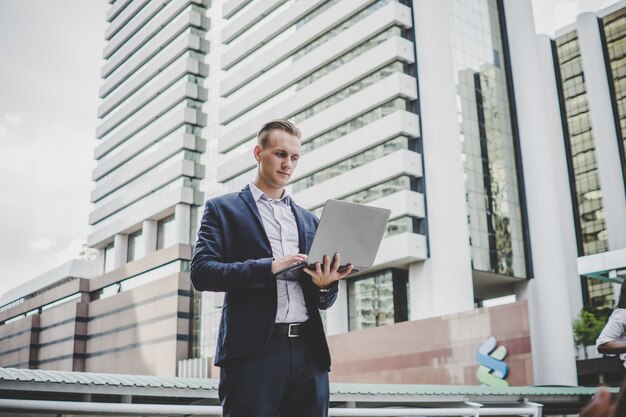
[(488, 138), (594, 144), (583, 165), (614, 31)]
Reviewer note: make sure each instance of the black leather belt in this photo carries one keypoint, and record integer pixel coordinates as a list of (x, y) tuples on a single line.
[(290, 329)]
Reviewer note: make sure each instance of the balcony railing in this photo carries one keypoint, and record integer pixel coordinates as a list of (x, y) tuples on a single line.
[(114, 409)]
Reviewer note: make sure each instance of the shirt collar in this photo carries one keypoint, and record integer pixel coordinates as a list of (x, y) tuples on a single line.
[(258, 194)]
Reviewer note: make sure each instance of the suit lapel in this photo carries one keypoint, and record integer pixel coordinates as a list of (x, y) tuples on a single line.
[(246, 196)]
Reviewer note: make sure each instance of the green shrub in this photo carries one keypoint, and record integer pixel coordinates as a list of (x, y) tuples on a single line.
[(588, 327)]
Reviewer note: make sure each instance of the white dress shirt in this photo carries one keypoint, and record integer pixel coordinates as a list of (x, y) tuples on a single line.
[(615, 330), (282, 231)]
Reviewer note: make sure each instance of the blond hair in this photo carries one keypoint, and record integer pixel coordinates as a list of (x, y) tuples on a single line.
[(279, 124)]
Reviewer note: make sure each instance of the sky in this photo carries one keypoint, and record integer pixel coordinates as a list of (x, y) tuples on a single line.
[(51, 55)]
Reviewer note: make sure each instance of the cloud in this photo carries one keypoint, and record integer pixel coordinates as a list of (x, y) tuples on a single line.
[(41, 244), (14, 119), (10, 123), (47, 131)]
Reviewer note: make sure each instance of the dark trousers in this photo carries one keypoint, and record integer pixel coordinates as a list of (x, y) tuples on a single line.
[(282, 380)]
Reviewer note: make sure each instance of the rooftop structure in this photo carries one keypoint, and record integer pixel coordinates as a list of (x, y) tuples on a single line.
[(112, 394)]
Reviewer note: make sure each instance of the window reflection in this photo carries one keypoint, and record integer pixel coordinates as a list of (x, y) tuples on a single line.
[(492, 192), (378, 299), (584, 168), (614, 26)]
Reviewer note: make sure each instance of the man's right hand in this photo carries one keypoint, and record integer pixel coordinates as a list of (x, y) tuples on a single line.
[(285, 261)]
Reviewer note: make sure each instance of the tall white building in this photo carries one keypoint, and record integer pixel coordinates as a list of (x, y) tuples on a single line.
[(591, 63), (148, 173), (149, 147)]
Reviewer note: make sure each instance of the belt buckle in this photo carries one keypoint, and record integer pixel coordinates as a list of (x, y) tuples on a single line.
[(294, 326)]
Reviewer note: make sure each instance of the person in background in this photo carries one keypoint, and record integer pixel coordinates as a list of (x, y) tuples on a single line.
[(612, 339)]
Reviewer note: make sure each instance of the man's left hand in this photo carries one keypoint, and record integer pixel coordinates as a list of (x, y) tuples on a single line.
[(327, 273)]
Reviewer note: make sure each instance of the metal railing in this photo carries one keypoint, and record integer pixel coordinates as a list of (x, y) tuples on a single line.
[(112, 409)]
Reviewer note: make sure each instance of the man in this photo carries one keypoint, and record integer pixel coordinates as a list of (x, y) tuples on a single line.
[(271, 347), (612, 340)]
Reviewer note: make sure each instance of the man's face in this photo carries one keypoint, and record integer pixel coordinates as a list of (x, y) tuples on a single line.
[(278, 159)]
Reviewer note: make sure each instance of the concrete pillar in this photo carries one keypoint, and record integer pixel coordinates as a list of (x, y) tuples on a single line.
[(555, 140), (149, 231), (603, 129), (337, 315), (100, 260), (443, 283), (182, 223), (120, 250), (552, 340)]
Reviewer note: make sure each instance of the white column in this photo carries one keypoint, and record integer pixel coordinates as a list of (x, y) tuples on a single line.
[(337, 315), (603, 129), (550, 315), (149, 232), (100, 260), (555, 140), (443, 283), (120, 250), (182, 221)]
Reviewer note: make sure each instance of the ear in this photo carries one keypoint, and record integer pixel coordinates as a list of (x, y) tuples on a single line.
[(257, 152)]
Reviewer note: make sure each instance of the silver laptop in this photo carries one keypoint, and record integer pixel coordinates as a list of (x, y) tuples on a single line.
[(352, 230)]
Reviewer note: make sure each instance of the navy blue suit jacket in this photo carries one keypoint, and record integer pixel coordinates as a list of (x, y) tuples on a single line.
[(234, 255)]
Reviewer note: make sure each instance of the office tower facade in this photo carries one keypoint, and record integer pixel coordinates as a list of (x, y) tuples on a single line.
[(590, 59), (147, 176)]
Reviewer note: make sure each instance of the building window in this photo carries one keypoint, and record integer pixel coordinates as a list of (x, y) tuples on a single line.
[(375, 192), (583, 166), (348, 91), (354, 124), (378, 299), (165, 232), (108, 258), (135, 241), (487, 139), (348, 164), (614, 26)]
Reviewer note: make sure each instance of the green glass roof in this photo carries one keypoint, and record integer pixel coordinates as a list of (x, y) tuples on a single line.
[(15, 375)]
